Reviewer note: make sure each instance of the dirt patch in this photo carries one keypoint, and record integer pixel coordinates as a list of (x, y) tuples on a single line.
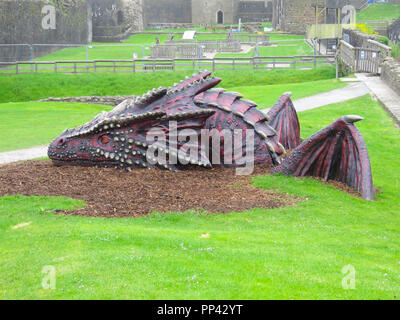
[(115, 193)]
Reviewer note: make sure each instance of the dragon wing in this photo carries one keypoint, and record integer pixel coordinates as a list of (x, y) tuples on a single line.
[(283, 118), (337, 152)]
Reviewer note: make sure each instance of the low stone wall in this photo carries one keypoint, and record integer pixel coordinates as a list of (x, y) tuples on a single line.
[(391, 73), (359, 39), (104, 100)]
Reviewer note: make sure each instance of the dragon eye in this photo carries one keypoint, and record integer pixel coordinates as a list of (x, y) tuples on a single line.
[(105, 139), (61, 142)]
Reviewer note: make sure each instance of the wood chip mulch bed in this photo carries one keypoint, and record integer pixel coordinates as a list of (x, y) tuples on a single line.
[(116, 193)]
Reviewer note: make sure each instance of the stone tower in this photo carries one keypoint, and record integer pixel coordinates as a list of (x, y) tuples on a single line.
[(214, 11)]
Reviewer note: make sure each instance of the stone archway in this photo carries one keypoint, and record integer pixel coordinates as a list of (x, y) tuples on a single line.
[(220, 17)]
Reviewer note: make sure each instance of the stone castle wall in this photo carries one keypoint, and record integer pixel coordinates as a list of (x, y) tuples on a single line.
[(21, 23), (167, 11), (295, 16)]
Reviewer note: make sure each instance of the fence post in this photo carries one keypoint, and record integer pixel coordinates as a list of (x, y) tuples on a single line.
[(16, 68), (133, 66), (294, 63), (337, 66), (173, 65), (213, 65), (55, 66), (94, 66)]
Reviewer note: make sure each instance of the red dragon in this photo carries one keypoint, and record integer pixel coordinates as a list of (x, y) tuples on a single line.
[(164, 127)]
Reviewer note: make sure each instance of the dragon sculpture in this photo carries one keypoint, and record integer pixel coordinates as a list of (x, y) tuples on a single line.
[(161, 129)]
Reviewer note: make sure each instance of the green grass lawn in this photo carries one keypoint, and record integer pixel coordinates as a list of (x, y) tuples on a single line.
[(379, 11), (284, 49), (267, 95), (29, 87), (30, 124), (286, 253), (143, 42)]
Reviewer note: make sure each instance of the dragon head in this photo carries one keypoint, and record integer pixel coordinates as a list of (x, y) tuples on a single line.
[(119, 138)]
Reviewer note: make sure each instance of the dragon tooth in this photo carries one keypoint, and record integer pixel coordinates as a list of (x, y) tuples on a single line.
[(237, 94), (270, 147), (250, 123), (107, 155), (249, 102), (282, 148), (112, 156), (239, 114), (262, 134), (116, 139)]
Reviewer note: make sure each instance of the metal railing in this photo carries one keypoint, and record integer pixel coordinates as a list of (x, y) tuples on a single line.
[(154, 65)]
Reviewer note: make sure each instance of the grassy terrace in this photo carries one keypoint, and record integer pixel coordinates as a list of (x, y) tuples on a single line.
[(379, 11), (287, 253), (30, 87)]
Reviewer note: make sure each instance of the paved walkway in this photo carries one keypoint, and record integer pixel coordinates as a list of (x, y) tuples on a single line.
[(20, 155), (352, 91), (383, 93)]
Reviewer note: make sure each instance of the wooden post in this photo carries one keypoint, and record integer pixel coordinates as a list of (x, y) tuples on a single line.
[(16, 68), (74, 67), (213, 65), (133, 66), (55, 66), (294, 63), (337, 67)]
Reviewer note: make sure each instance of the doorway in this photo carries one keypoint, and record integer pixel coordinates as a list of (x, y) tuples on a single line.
[(220, 17)]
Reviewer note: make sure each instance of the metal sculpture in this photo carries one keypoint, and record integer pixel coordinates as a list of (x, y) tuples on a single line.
[(162, 129)]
